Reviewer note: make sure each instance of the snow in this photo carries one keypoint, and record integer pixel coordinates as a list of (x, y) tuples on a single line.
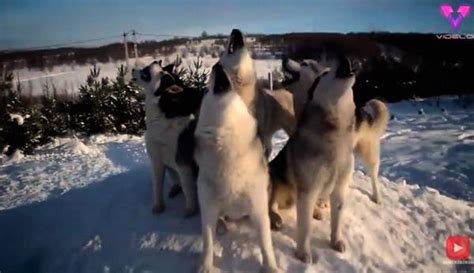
[(68, 78), (84, 205), (19, 119), (435, 148)]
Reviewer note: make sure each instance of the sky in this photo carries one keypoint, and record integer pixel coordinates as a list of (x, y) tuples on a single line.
[(35, 23)]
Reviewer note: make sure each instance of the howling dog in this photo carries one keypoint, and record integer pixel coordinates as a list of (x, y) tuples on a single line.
[(169, 108), (371, 123), (318, 159), (233, 178), (371, 120)]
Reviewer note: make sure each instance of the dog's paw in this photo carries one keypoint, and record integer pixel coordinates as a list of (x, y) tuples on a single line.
[(190, 212), (317, 214), (339, 246), (323, 203), (276, 221), (157, 209), (304, 256), (174, 191), (376, 199), (206, 269), (221, 227)]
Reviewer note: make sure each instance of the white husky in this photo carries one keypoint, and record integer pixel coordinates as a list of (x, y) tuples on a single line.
[(233, 174)]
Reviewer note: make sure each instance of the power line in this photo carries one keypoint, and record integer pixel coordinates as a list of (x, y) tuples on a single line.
[(165, 35), (51, 46), (66, 44)]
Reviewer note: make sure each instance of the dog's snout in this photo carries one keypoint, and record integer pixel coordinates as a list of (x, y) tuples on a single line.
[(345, 68), (236, 40)]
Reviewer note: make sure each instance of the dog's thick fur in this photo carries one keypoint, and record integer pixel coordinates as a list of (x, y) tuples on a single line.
[(169, 109), (371, 120), (318, 159), (233, 174)]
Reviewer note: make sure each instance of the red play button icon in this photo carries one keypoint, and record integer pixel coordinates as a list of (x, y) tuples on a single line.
[(458, 247)]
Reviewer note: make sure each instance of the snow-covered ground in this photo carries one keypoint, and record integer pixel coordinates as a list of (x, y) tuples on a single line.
[(85, 206), (435, 148)]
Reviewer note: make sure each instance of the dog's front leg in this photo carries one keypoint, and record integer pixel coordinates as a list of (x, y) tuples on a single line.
[(158, 179), (337, 200), (209, 217), (305, 205), (261, 221)]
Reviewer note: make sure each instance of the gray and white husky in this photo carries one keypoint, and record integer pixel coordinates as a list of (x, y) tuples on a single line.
[(371, 123), (233, 176), (318, 159)]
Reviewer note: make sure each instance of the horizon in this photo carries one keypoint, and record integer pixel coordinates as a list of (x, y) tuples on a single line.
[(32, 24)]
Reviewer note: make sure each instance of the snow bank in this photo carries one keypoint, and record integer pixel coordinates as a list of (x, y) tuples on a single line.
[(62, 165)]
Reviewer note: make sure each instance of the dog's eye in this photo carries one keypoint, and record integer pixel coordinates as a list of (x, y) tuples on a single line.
[(304, 64)]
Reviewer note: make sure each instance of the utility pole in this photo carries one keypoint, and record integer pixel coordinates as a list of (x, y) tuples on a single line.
[(125, 43), (270, 81), (135, 46)]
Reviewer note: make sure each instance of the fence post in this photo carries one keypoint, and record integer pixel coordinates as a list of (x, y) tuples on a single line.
[(125, 43), (135, 46)]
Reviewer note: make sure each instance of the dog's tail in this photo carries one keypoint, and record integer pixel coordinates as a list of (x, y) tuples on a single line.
[(380, 115), (372, 119)]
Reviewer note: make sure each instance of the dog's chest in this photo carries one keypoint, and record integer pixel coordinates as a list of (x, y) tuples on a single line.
[(225, 122), (227, 146)]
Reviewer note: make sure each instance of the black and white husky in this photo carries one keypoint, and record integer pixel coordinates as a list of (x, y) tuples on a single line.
[(169, 107), (233, 176)]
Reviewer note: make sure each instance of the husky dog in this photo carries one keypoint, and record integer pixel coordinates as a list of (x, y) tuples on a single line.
[(318, 159), (371, 120), (233, 175), (169, 107)]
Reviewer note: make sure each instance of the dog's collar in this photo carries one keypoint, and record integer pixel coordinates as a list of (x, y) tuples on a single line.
[(313, 86)]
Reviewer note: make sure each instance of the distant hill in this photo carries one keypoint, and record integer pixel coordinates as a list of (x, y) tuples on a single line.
[(392, 66)]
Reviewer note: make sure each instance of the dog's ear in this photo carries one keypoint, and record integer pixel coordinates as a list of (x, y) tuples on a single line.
[(292, 68), (157, 62), (178, 61), (169, 68), (236, 41), (221, 81), (290, 65)]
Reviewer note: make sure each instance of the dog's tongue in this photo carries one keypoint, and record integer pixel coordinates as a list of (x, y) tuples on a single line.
[(236, 40)]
